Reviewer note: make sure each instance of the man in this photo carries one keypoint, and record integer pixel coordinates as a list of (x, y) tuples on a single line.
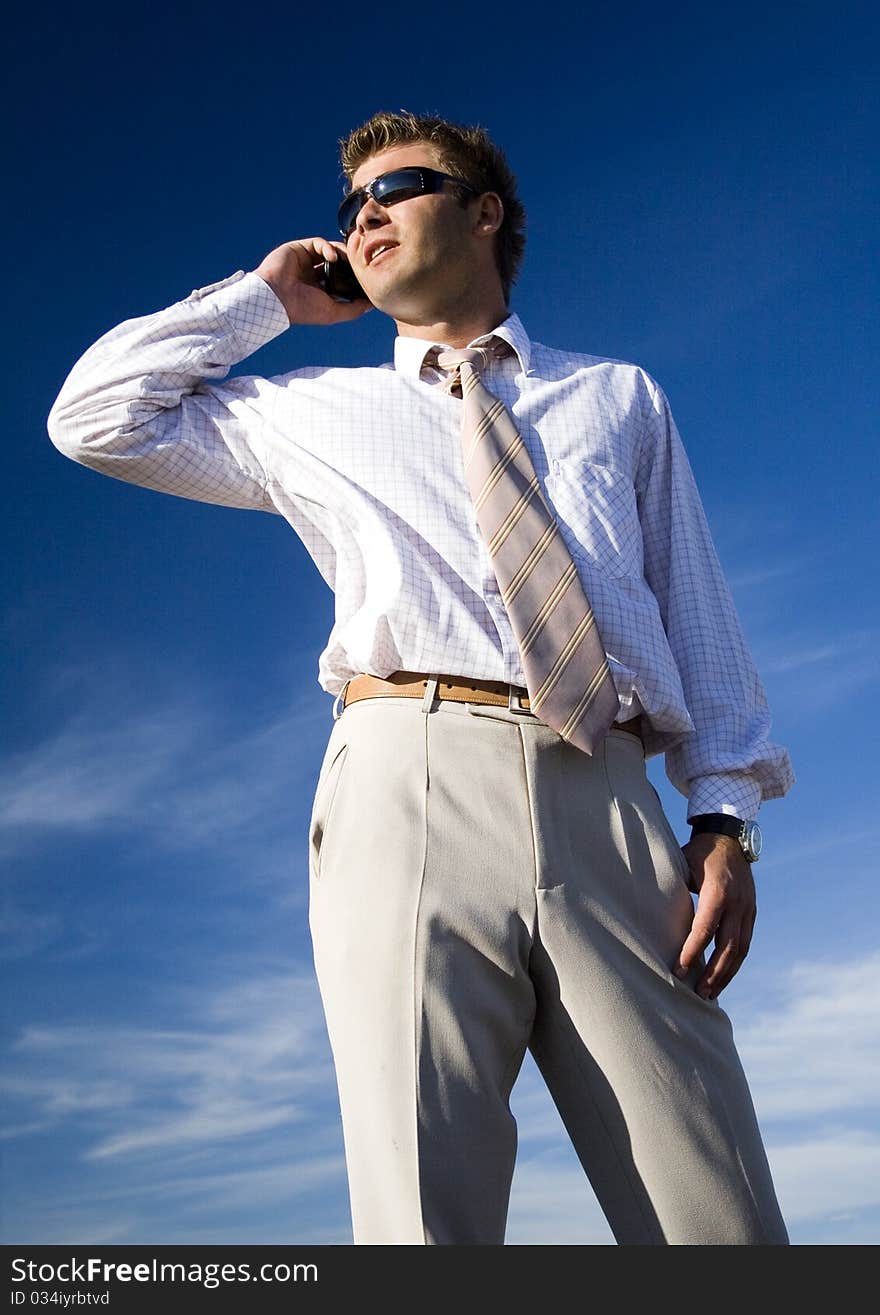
[(489, 867)]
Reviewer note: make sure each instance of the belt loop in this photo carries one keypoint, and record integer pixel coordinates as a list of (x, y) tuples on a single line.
[(514, 694), (339, 701), (430, 694)]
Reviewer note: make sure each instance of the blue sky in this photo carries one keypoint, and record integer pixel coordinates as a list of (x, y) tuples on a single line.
[(701, 189)]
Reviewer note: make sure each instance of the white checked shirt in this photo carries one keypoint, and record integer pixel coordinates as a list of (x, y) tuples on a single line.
[(365, 464)]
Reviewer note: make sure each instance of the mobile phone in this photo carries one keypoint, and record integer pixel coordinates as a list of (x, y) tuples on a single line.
[(338, 280)]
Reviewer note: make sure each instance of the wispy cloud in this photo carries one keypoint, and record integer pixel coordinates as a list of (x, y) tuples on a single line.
[(847, 843), (767, 571), (23, 933), (299, 1197), (194, 1130), (251, 1062), (177, 767), (552, 1204), (810, 673), (807, 657), (816, 1052), (95, 768), (820, 1176)]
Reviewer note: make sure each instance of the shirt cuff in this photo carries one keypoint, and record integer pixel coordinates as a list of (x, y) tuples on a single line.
[(249, 307), (735, 793)]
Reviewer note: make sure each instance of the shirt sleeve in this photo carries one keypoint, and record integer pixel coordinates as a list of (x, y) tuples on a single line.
[(139, 404), (727, 764)]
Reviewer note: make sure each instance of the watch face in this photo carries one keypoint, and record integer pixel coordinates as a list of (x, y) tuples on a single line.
[(752, 838)]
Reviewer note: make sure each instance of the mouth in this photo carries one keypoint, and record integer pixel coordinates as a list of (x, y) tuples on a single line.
[(378, 251)]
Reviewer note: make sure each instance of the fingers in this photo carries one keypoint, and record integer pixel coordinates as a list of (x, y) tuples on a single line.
[(320, 248), (732, 941), (706, 921), (293, 272), (726, 919)]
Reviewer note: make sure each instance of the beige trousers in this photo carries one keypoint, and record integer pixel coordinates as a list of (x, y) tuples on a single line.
[(478, 886)]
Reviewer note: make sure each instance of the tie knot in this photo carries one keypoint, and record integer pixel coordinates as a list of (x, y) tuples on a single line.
[(478, 358)]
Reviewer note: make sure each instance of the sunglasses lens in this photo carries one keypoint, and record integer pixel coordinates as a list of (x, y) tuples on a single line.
[(349, 211), (387, 190), (398, 186)]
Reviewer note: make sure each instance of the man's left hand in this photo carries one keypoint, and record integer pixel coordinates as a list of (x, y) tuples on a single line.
[(721, 875)]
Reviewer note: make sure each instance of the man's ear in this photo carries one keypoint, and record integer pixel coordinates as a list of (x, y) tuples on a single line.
[(489, 214)]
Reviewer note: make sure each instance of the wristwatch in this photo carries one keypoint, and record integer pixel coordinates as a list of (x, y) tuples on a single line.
[(722, 824)]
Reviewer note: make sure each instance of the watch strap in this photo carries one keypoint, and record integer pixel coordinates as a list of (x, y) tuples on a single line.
[(748, 834), (719, 824)]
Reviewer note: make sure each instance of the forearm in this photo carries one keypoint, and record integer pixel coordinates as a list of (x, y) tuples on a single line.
[(727, 764), (139, 404)]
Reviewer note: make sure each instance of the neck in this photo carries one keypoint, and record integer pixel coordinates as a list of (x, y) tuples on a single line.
[(459, 329)]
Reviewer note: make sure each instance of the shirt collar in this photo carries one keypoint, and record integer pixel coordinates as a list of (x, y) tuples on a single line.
[(410, 353)]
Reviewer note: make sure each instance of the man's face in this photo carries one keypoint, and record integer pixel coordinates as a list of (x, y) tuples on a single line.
[(429, 248)]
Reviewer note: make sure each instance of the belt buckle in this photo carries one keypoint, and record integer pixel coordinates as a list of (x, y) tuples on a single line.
[(339, 707), (517, 706)]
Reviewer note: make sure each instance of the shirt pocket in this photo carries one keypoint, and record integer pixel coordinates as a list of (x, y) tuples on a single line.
[(597, 515)]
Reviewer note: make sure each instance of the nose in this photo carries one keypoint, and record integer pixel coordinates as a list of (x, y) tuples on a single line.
[(371, 216)]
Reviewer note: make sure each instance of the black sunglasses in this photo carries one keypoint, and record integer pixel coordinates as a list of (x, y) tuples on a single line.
[(388, 189)]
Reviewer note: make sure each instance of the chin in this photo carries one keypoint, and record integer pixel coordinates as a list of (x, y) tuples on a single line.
[(393, 302), (410, 304)]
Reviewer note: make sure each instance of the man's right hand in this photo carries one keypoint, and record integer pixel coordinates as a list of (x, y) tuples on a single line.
[(293, 273)]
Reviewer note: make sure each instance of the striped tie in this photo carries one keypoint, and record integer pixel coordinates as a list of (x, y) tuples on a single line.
[(564, 663)]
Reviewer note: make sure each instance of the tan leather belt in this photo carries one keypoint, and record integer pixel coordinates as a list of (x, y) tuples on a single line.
[(458, 689)]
